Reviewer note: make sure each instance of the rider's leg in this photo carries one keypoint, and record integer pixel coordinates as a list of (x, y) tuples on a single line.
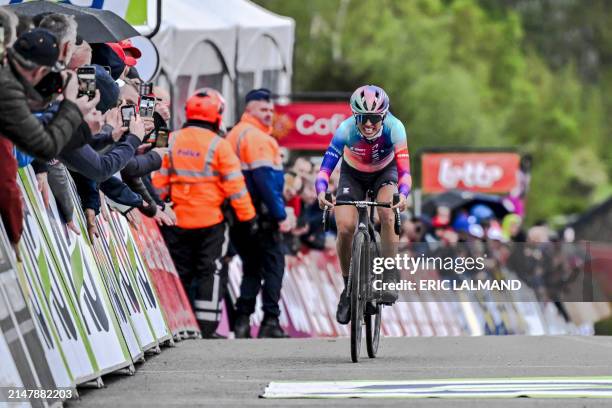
[(386, 217), (346, 219), (387, 237)]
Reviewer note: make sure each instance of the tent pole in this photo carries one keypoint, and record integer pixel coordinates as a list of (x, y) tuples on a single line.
[(236, 82)]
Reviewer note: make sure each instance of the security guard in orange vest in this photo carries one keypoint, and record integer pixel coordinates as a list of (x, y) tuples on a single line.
[(201, 172), (262, 258)]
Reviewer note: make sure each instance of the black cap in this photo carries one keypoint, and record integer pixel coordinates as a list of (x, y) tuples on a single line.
[(133, 73), (261, 94), (102, 54), (38, 46)]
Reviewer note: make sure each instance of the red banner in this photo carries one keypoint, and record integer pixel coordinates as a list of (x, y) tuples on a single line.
[(486, 172), (170, 291), (308, 125)]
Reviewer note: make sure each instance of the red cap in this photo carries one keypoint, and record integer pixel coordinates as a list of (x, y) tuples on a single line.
[(129, 61), (128, 46)]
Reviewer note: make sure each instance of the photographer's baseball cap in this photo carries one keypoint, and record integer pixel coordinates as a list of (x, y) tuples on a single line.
[(38, 46), (127, 60), (128, 46)]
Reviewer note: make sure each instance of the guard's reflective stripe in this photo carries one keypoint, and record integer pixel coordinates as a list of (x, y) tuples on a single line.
[(205, 172), (240, 137), (163, 171), (232, 175), (207, 316), (193, 173), (210, 155), (239, 194), (264, 163)]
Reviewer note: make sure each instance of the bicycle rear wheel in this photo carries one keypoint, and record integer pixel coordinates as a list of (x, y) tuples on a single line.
[(358, 272), (372, 324)]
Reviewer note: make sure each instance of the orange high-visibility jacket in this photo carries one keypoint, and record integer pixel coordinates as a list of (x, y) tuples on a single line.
[(262, 167), (199, 173)]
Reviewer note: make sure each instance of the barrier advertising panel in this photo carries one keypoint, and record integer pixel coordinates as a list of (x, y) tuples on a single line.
[(482, 172), (50, 300), (128, 290), (82, 280), (308, 125), (140, 277), (164, 276)]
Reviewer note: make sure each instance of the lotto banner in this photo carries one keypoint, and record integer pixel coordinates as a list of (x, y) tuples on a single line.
[(485, 172)]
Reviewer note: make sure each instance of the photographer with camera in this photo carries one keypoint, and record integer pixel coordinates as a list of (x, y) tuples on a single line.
[(33, 56)]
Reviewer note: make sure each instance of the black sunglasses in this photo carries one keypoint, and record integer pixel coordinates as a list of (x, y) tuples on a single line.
[(374, 118)]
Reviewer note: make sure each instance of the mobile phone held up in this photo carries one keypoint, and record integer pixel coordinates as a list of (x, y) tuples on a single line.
[(127, 111), (87, 81), (146, 88), (147, 106), (162, 137)]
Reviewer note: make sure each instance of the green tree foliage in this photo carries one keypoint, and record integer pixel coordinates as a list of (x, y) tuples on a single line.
[(477, 73)]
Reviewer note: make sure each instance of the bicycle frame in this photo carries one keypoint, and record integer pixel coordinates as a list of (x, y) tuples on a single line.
[(361, 259)]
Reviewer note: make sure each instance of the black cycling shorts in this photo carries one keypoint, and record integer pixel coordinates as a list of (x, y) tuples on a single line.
[(354, 184)]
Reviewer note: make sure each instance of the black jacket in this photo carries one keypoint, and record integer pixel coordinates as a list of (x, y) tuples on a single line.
[(19, 125)]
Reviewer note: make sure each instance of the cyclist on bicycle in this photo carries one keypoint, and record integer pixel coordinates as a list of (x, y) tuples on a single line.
[(374, 146)]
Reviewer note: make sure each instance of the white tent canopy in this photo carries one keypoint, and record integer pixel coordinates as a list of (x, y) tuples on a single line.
[(230, 45)]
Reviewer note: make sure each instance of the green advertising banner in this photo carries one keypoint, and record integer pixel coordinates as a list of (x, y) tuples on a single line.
[(90, 306)]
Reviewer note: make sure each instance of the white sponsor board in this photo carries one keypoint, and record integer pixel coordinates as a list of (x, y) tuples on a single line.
[(82, 281), (120, 267), (140, 278), (49, 301), (9, 376)]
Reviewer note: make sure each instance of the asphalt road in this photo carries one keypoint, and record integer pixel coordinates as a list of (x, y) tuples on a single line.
[(233, 373)]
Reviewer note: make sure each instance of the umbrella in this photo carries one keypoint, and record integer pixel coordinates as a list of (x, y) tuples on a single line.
[(95, 26), (458, 199)]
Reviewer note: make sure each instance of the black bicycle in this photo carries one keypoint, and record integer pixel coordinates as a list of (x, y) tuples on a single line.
[(366, 303)]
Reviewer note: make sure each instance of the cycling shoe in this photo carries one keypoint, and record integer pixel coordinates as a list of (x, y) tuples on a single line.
[(343, 314)]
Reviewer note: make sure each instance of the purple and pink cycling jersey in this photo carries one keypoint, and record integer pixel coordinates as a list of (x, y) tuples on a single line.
[(368, 156)]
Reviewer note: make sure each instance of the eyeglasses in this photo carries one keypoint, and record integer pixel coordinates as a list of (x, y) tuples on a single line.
[(373, 118)]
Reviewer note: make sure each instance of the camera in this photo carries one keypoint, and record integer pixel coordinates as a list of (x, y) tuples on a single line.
[(50, 84), (87, 81)]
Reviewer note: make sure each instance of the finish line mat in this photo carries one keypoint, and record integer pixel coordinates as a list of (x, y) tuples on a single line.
[(532, 387)]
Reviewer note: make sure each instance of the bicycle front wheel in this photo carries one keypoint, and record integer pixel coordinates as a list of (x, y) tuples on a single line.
[(372, 324), (358, 272)]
